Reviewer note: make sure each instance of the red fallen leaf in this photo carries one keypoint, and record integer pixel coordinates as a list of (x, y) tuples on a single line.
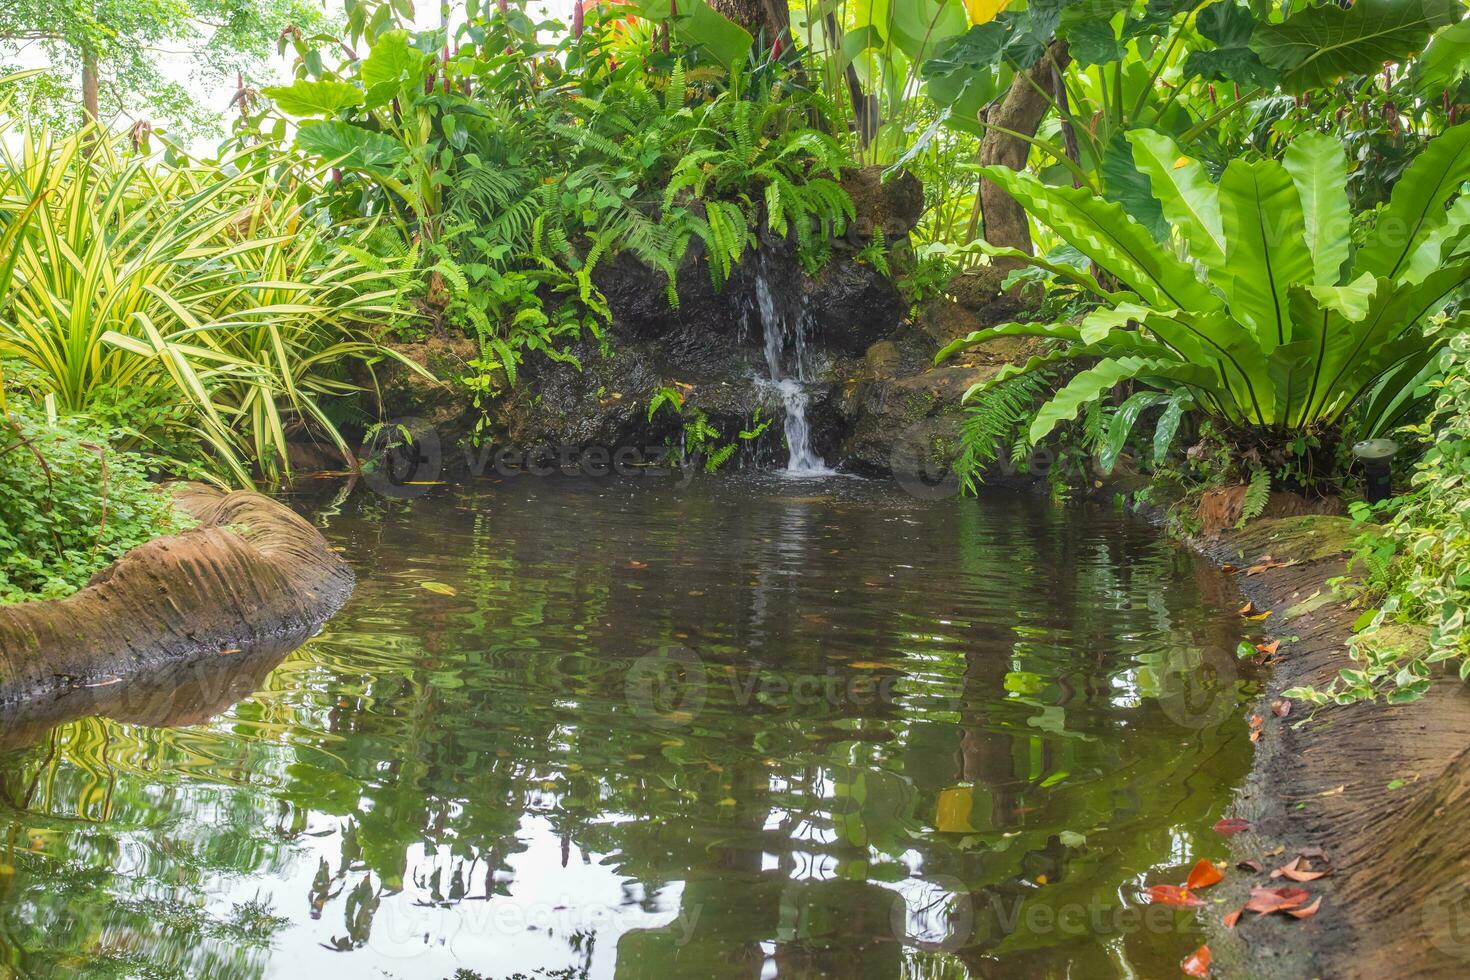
[(1264, 901), (1249, 865), (1306, 912), (1298, 869), (1231, 825), (1231, 918), (1173, 895), (1269, 649), (1203, 875), (1197, 964), (1281, 708), (635, 563)]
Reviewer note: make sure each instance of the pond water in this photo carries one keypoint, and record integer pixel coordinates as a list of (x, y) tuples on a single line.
[(745, 727)]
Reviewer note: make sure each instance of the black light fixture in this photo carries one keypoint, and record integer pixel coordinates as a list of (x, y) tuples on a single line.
[(1376, 456)]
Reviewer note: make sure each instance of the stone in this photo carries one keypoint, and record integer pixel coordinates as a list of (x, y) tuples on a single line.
[(893, 206)]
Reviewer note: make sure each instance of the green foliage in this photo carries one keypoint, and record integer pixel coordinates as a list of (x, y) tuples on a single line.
[(1257, 495), (191, 279), (1269, 327), (1418, 563), (70, 504)]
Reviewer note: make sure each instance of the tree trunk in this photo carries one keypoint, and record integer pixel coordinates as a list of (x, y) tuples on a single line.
[(90, 110), (753, 15), (1020, 112)]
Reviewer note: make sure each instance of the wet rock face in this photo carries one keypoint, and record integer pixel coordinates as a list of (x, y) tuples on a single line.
[(872, 387)]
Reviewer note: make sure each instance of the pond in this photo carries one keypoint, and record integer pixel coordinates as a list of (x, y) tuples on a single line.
[(745, 726)]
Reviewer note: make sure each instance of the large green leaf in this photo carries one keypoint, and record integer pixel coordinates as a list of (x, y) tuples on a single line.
[(1445, 61), (1189, 200), (1228, 26), (1086, 386), (392, 61), (1318, 168), (1265, 247), (348, 146), (1417, 208), (1103, 231), (1123, 182), (1322, 43), (308, 98)]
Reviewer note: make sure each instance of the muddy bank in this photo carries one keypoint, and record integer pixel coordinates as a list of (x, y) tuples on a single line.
[(1381, 789), (251, 574)]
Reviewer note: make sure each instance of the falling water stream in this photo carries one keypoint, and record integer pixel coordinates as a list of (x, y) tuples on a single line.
[(782, 328)]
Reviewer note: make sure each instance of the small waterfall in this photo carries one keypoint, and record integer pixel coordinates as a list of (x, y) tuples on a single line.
[(779, 326)]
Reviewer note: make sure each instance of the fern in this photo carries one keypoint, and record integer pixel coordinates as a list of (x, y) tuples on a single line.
[(990, 419), (1257, 495)]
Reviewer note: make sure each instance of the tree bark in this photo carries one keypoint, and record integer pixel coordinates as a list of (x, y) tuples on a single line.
[(753, 15), (90, 111), (1021, 112)]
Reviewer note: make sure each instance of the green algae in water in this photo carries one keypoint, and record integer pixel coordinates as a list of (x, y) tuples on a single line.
[(744, 727)]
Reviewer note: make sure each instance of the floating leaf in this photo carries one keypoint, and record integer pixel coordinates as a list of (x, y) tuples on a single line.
[(1173, 895), (1231, 825), (1197, 964), (440, 588), (1203, 875)]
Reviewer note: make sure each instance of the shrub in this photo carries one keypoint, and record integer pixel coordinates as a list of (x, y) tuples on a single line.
[(1257, 309), (70, 504)]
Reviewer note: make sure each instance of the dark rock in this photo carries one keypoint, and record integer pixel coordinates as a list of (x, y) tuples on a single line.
[(440, 402), (851, 306), (977, 287), (905, 415), (893, 206)]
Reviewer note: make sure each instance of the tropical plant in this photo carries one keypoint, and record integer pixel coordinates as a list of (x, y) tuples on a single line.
[(1418, 561), (1256, 310), (128, 275), (71, 504)]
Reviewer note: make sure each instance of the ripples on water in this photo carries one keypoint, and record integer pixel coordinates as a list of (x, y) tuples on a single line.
[(748, 727)]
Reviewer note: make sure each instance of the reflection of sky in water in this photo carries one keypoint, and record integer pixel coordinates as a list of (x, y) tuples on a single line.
[(468, 780)]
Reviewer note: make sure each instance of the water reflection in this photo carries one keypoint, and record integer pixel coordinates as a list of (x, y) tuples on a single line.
[(740, 728)]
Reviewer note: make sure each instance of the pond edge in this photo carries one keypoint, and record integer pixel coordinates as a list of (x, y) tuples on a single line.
[(251, 572), (1321, 778)]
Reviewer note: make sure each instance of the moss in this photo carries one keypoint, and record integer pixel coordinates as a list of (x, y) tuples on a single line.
[(1304, 538)]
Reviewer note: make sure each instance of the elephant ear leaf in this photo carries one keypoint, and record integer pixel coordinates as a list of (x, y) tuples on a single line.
[(348, 146), (320, 98), (1190, 202), (1417, 208), (1320, 44), (1266, 249), (1318, 168)]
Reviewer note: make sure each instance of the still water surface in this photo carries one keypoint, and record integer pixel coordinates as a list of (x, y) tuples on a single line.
[(747, 727)]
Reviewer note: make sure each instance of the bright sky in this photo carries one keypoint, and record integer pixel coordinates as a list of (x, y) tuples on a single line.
[(216, 95)]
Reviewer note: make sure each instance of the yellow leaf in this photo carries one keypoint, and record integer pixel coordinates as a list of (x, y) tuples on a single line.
[(1181, 162), (985, 11), (440, 588), (952, 814)]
